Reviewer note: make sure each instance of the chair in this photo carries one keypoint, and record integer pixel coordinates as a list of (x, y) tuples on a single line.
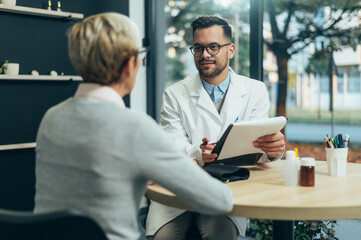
[(193, 234), (142, 219), (58, 225)]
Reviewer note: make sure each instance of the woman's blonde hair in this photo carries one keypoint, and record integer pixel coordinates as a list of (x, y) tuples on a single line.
[(101, 45)]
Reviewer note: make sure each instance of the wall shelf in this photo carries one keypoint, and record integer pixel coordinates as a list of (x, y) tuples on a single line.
[(40, 12), (17, 146), (40, 77)]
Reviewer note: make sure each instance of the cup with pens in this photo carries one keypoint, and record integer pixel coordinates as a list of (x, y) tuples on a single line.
[(336, 154)]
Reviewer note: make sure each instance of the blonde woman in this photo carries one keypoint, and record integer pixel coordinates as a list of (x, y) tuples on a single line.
[(96, 155)]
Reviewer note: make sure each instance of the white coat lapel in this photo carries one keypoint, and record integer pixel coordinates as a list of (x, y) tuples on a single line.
[(204, 101), (234, 102)]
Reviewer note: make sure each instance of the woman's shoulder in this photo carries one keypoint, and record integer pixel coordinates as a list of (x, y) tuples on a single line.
[(138, 118)]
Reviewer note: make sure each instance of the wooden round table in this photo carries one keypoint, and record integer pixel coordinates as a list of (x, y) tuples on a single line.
[(265, 196)]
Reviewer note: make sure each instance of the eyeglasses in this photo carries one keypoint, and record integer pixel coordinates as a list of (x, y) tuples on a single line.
[(143, 52), (212, 49)]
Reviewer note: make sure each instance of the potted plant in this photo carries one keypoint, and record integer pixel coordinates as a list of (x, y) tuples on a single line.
[(10, 68), (8, 2), (4, 67), (303, 230), (317, 230)]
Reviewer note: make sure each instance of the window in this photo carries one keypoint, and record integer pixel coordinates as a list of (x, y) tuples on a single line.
[(354, 82)]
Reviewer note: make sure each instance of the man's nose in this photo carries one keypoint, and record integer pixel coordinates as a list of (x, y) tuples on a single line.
[(205, 53)]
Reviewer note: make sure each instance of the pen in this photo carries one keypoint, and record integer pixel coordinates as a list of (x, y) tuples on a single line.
[(340, 141), (325, 140), (210, 142), (347, 140), (330, 143), (296, 151), (335, 142)]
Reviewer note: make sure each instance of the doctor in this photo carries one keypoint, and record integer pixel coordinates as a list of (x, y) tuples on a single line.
[(199, 109)]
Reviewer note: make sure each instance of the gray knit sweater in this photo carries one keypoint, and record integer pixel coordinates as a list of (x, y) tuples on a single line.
[(97, 156)]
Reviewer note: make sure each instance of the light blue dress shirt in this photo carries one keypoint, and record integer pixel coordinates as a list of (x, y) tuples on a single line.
[(217, 92)]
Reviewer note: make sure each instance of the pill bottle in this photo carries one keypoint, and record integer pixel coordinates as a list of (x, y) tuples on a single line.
[(307, 172), (290, 173)]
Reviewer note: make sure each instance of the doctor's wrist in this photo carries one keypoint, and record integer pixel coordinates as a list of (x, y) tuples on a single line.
[(277, 157)]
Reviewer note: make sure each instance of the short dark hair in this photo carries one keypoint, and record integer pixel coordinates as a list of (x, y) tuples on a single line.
[(209, 21)]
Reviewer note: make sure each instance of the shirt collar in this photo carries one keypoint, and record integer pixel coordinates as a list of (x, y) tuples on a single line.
[(223, 86), (98, 92)]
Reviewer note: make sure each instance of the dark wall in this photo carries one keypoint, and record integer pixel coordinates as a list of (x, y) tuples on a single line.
[(36, 43), (40, 42), (17, 179)]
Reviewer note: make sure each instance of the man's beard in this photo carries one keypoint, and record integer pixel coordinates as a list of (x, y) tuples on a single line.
[(218, 69)]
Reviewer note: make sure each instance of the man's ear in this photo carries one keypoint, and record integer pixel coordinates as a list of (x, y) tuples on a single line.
[(231, 51)]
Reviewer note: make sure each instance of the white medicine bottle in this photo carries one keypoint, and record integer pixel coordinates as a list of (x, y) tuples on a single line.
[(291, 169)]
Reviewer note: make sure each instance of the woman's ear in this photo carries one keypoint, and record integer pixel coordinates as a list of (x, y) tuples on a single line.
[(131, 67)]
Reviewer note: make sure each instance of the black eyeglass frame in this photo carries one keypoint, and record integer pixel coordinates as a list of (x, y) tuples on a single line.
[(142, 53), (206, 47)]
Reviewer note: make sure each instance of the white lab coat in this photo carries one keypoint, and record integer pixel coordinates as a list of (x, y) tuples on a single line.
[(188, 114)]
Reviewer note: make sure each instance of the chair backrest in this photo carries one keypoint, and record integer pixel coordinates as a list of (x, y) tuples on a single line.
[(59, 225)]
